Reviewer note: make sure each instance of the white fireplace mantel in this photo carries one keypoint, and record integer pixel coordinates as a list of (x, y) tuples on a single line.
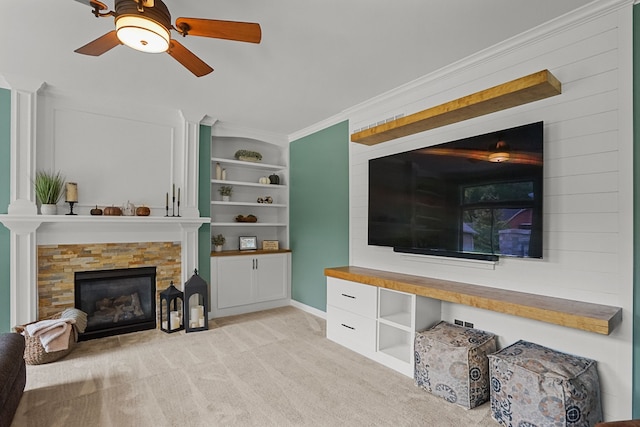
[(24, 224)]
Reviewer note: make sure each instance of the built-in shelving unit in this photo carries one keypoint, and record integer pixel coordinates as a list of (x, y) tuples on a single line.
[(520, 91), (602, 319), (378, 323), (245, 179)]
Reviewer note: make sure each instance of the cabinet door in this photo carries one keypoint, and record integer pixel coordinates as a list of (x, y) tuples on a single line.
[(271, 277), (235, 281)]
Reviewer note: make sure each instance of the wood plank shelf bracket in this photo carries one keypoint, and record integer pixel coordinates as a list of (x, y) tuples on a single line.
[(523, 90), (598, 318)]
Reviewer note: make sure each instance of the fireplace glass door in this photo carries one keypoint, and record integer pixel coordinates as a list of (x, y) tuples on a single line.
[(116, 301)]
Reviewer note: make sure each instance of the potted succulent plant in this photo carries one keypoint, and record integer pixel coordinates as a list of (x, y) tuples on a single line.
[(49, 189), (218, 241), (225, 191)]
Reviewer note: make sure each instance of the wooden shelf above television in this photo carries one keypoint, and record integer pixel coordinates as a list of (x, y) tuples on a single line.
[(520, 91), (586, 316)]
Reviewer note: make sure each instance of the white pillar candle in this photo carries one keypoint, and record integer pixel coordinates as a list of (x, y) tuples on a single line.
[(72, 192), (201, 322), (175, 320), (194, 314)]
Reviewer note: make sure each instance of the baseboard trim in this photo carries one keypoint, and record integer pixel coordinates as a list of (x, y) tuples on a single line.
[(309, 309)]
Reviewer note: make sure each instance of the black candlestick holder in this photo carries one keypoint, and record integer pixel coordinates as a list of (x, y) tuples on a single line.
[(71, 208)]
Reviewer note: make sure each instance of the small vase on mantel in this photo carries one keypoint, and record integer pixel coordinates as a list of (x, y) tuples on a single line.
[(49, 209)]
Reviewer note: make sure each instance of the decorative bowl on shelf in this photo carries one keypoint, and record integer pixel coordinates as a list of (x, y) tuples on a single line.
[(248, 156), (248, 218)]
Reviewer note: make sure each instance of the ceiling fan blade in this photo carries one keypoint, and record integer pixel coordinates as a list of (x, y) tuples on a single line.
[(230, 30), (514, 157), (94, 4), (100, 45), (184, 56)]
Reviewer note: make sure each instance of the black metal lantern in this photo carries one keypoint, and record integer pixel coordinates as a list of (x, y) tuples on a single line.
[(171, 309), (196, 304)]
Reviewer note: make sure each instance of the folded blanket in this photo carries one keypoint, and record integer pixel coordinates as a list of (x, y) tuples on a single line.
[(53, 333), (79, 315)]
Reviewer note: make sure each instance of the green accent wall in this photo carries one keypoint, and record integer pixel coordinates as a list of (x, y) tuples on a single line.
[(319, 211), (636, 212), (5, 183), (204, 203)]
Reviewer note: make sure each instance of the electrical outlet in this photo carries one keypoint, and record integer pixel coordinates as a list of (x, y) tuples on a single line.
[(468, 324), (458, 322)]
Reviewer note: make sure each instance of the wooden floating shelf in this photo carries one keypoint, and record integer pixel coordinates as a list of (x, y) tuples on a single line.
[(590, 317), (251, 252), (520, 91)]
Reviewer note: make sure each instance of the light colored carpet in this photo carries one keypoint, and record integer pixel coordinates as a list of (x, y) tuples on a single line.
[(272, 368)]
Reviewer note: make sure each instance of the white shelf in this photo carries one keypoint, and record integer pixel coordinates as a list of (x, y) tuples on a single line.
[(401, 320), (247, 184), (248, 224), (252, 204), (254, 165), (395, 342), (400, 352), (396, 307)]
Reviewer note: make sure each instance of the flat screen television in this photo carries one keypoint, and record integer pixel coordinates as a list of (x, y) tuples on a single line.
[(478, 197)]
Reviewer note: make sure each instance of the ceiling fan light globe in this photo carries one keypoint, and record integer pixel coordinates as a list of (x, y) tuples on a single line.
[(499, 157), (142, 34)]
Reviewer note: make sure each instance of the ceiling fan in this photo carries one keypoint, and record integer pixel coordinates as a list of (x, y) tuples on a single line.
[(499, 152), (145, 25)]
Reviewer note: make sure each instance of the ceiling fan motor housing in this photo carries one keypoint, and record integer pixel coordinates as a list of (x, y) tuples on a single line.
[(143, 28)]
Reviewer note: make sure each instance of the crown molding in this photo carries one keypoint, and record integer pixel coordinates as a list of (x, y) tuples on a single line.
[(557, 25)]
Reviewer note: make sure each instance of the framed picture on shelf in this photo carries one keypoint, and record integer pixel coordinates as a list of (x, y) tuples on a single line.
[(270, 245), (248, 243)]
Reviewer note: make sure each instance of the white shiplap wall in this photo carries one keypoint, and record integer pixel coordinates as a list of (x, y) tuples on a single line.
[(588, 181)]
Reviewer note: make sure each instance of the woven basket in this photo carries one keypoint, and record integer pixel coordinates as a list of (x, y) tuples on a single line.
[(34, 353)]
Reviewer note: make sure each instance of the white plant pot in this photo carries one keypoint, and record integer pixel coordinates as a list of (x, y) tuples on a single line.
[(217, 248), (47, 209), (225, 198)]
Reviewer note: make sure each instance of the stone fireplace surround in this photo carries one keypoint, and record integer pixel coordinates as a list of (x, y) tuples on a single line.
[(57, 265)]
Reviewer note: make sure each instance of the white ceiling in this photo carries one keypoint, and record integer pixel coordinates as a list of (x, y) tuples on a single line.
[(317, 57)]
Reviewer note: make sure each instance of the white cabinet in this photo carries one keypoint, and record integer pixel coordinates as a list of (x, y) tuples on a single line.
[(351, 315), (377, 322), (249, 282)]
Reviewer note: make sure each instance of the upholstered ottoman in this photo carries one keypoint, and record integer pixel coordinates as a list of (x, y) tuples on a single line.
[(451, 362), (532, 385)]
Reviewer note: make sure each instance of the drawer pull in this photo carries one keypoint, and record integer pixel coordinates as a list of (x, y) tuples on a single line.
[(348, 296), (348, 327)]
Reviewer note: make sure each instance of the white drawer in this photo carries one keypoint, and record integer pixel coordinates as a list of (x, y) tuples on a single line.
[(354, 297), (355, 332)]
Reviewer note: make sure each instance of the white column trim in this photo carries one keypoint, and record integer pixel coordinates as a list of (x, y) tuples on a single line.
[(23, 261)]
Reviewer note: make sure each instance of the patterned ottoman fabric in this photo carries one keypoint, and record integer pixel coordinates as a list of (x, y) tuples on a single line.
[(532, 385), (451, 362)]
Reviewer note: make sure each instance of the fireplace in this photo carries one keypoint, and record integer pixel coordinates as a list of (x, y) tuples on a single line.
[(116, 301)]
